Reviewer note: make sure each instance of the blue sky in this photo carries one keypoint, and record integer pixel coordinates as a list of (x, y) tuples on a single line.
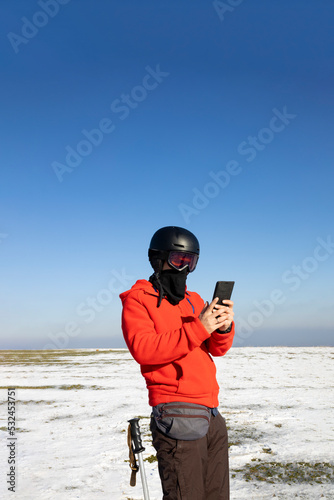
[(118, 118)]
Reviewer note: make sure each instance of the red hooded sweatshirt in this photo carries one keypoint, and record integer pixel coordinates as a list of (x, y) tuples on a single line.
[(172, 346)]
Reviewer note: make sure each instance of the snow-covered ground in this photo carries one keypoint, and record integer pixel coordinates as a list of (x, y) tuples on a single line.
[(72, 409)]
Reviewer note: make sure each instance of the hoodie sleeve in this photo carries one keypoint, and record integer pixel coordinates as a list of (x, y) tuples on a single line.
[(150, 347), (219, 343)]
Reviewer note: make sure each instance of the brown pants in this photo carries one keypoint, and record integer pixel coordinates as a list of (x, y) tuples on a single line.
[(194, 470)]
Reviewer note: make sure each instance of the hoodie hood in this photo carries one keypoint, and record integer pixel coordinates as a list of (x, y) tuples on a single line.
[(143, 285)]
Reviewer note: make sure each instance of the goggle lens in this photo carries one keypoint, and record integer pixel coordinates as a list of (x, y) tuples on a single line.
[(180, 260)]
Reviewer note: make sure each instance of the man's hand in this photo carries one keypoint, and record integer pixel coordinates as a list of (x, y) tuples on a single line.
[(216, 317)]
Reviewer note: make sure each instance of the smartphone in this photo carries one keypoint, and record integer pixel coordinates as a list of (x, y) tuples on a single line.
[(223, 290)]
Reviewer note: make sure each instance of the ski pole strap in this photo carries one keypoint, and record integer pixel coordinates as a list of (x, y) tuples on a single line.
[(133, 462)]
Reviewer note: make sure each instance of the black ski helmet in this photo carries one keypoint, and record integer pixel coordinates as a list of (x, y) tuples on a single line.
[(171, 238)]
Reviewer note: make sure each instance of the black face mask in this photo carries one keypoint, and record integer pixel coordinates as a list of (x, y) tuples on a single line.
[(172, 284)]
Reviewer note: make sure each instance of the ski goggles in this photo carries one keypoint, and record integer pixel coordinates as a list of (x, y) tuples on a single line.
[(180, 260)]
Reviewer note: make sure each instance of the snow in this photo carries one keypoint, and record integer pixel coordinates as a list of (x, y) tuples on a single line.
[(72, 408)]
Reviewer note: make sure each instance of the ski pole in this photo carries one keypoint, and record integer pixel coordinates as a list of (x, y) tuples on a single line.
[(138, 448)]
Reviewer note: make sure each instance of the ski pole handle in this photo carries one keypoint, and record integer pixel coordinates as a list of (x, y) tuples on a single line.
[(135, 435)]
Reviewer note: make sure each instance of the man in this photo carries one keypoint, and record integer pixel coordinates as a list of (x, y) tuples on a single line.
[(171, 333)]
